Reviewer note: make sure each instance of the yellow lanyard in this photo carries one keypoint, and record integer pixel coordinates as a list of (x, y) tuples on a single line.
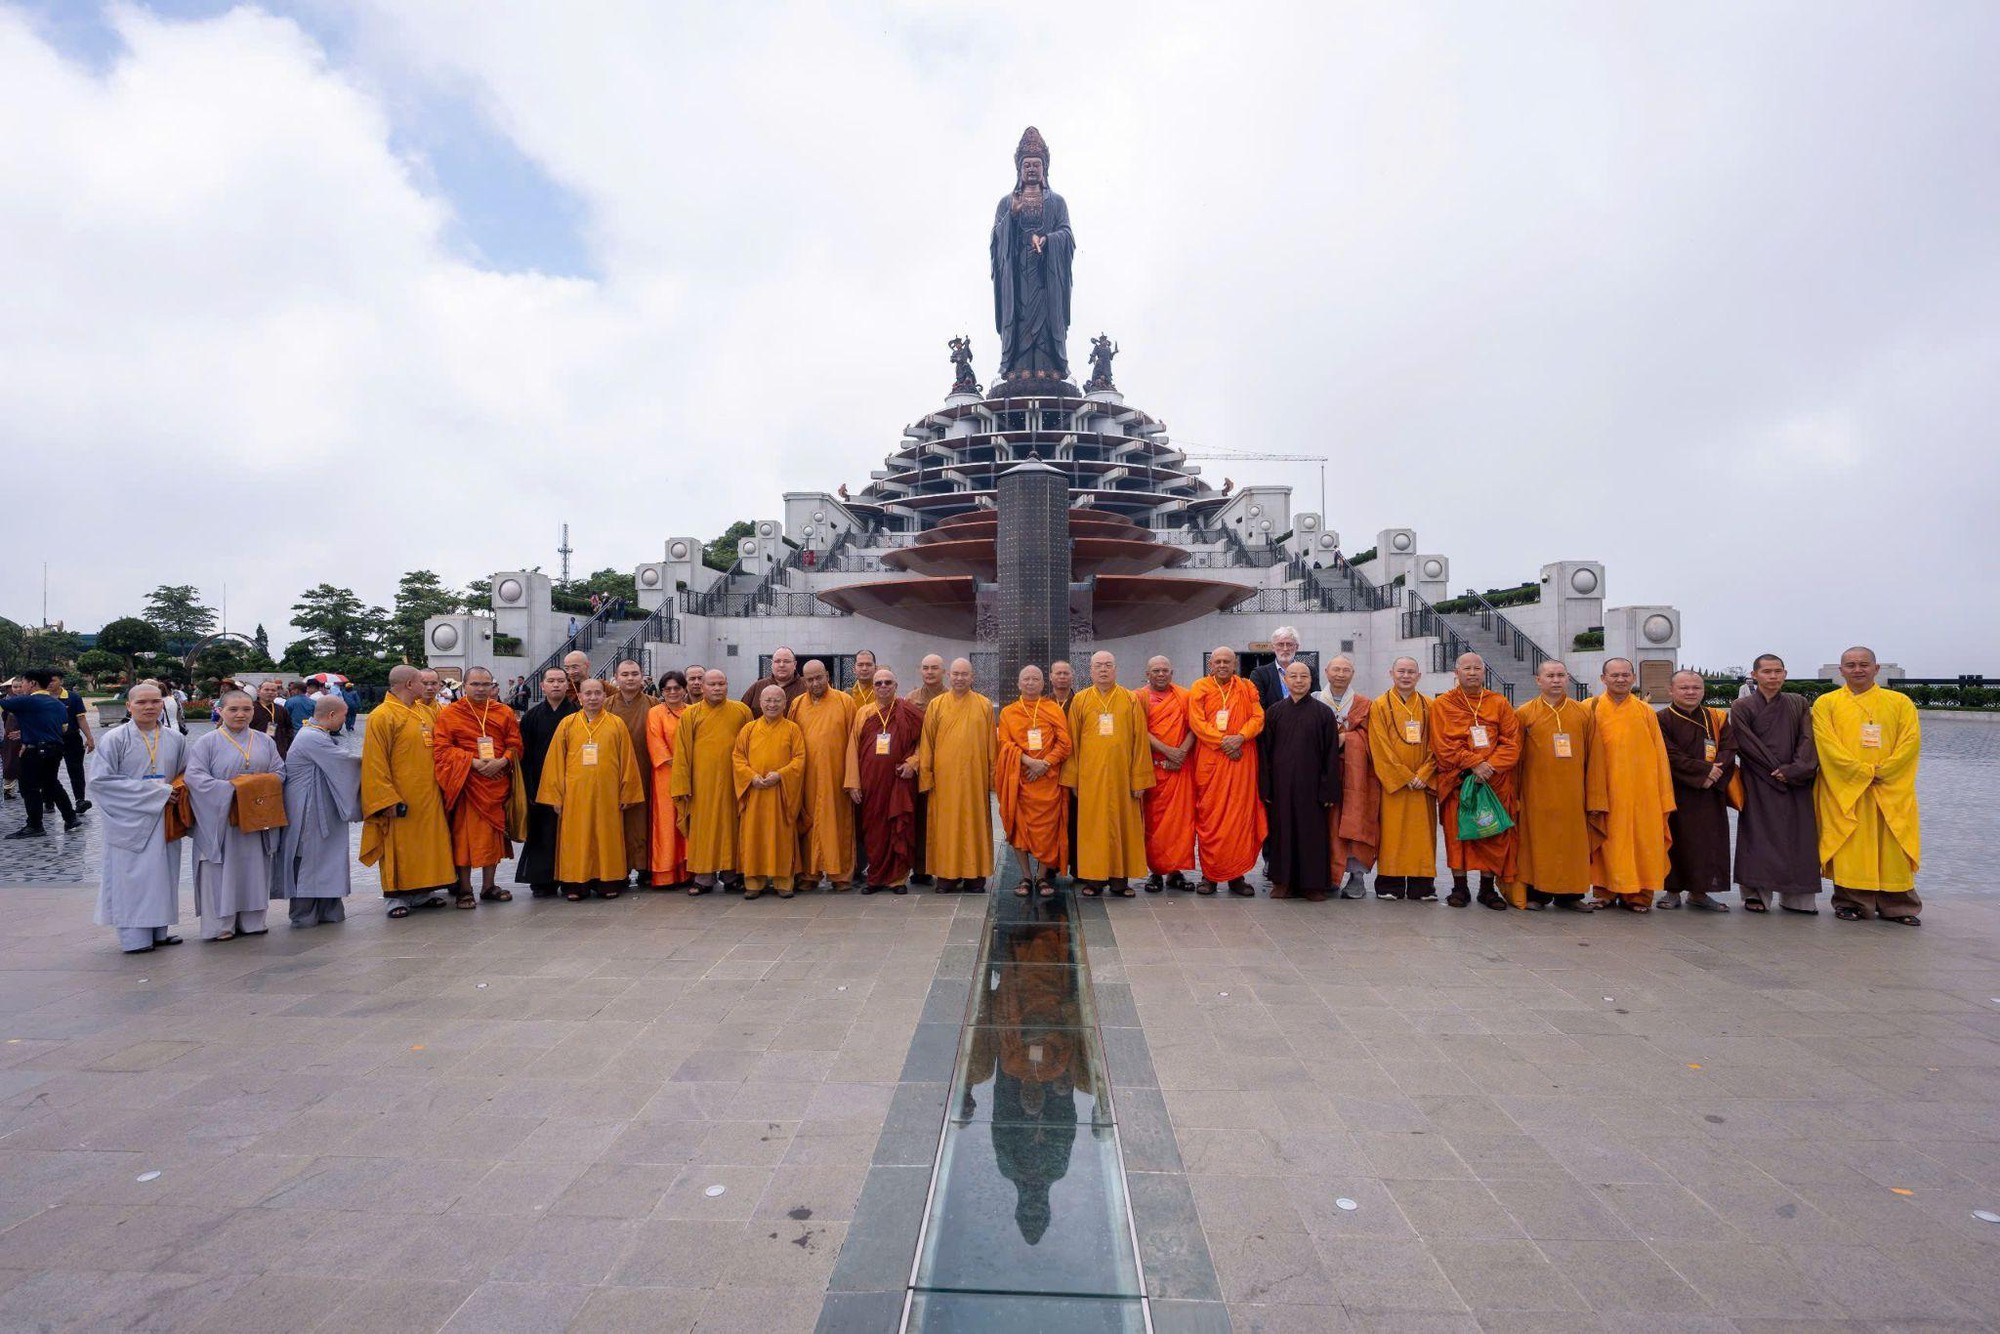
[(590, 730), (1394, 700), (1474, 700), (1035, 715), (244, 751), (152, 750), (484, 710), (1557, 710), (1706, 722)]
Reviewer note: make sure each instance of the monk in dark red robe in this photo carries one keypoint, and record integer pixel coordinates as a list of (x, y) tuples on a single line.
[(882, 781)]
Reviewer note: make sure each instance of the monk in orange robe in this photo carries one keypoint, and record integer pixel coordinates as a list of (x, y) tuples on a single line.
[(770, 768), (1170, 801), (1226, 716), (1354, 823), (475, 744), (1630, 793), (826, 821), (1558, 752), (1027, 777), (1474, 731), (668, 859)]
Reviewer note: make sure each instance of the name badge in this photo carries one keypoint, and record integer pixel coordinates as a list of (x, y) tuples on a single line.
[(271, 728), (425, 728), (1708, 750), (881, 743), (160, 777), (1104, 724), (1480, 740), (1871, 735), (589, 755), (486, 748), (1034, 738), (1222, 720), (1563, 751), (1413, 730)]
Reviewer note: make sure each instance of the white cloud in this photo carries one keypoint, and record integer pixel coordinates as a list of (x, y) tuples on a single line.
[(1705, 296)]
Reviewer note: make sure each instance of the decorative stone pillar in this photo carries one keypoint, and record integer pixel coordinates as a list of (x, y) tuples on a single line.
[(1033, 557)]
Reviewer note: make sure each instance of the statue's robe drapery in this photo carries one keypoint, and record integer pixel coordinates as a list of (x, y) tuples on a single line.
[(322, 797), (1031, 291), (888, 806), (536, 866), (131, 776), (1169, 805)]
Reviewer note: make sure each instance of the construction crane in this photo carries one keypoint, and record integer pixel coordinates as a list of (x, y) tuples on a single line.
[(1247, 456)]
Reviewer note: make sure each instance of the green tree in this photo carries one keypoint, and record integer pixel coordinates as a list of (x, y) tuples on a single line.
[(612, 584), (419, 596), (721, 553), (13, 647), (96, 663), (128, 637), (479, 595), (333, 622), (52, 648), (176, 611)]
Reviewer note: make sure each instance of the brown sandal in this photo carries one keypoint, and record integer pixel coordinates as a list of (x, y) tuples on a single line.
[(497, 895), (467, 901)]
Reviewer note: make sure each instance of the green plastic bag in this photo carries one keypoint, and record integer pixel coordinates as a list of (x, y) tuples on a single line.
[(1480, 814)]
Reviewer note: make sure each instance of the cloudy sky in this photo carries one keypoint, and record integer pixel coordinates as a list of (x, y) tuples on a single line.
[(327, 291)]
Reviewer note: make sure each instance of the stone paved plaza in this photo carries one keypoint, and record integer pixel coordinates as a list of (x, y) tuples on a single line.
[(515, 1118)]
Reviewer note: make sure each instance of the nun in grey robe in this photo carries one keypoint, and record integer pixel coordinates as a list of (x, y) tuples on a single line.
[(233, 871), (131, 776), (322, 797)]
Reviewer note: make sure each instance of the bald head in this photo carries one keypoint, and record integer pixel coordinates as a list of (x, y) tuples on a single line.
[(330, 711), (145, 704), (1159, 672), (403, 682), (959, 678), (1222, 664), (1103, 669)]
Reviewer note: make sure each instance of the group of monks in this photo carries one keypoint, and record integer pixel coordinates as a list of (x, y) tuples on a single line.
[(1563, 803)]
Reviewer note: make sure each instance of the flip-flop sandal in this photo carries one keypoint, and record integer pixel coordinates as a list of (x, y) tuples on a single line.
[(1848, 914), (1665, 904), (1752, 905), (1087, 891), (1907, 919), (1707, 905), (497, 895), (1044, 889), (399, 910), (1025, 888), (1641, 908), (1126, 892), (466, 901)]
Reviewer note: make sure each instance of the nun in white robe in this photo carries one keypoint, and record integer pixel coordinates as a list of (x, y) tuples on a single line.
[(322, 797), (130, 776), (233, 871)]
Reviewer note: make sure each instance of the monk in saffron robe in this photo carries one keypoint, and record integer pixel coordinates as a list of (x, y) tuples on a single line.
[(1062, 689), (591, 778), (930, 684), (536, 866), (1300, 779), (1701, 753), (1558, 752), (1227, 716), (1399, 748), (955, 769), (667, 854), (862, 692), (477, 743), (1027, 777), (1473, 731), (704, 781), (1631, 793), (826, 821), (404, 827), (882, 782), (630, 704), (1169, 804), (769, 764), (1110, 767), (1869, 842), (1354, 821), (1777, 833)]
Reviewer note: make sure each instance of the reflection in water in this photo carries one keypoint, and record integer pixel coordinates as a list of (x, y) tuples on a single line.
[(1029, 1050)]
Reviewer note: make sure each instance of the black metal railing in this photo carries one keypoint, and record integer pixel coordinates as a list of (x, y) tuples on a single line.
[(586, 635), (1347, 590), (658, 628), (1423, 621), (1256, 557), (1512, 639), (1278, 601)]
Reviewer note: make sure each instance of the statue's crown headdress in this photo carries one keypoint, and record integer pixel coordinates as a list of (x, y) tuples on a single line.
[(1032, 145)]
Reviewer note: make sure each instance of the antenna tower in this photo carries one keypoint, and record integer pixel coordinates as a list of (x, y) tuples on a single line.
[(563, 550)]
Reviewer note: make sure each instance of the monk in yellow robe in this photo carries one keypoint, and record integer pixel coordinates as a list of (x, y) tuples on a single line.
[(826, 823), (1869, 845), (1558, 753), (590, 779), (1169, 804), (404, 827), (1473, 731), (862, 692), (476, 744), (1110, 767), (1354, 823), (1229, 817), (955, 771), (1399, 748), (630, 703), (1630, 793), (930, 684), (667, 852), (769, 764), (704, 781), (1033, 740)]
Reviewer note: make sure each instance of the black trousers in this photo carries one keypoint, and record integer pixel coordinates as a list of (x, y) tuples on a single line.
[(72, 753), (40, 784)]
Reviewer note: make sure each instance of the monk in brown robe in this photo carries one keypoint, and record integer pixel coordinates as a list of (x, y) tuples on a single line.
[(475, 746), (1701, 753), (1033, 741), (1170, 829), (629, 704), (826, 818), (784, 675), (1558, 756), (882, 767), (1473, 731), (1777, 833), (1354, 821), (930, 684)]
